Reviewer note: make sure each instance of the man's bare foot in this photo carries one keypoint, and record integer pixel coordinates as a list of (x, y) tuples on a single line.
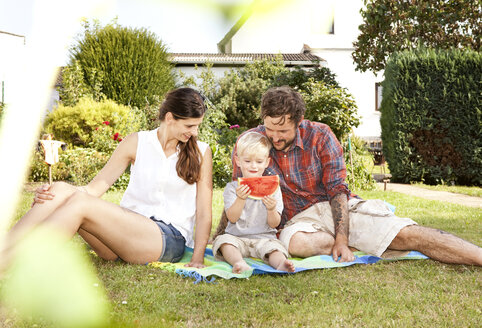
[(287, 266), (240, 267)]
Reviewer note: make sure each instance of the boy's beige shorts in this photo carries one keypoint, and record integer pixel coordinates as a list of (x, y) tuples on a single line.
[(258, 248)]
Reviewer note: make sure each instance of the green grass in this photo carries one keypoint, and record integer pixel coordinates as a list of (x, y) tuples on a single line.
[(471, 191), (388, 294)]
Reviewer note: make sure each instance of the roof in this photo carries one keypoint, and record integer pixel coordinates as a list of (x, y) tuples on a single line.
[(191, 59)]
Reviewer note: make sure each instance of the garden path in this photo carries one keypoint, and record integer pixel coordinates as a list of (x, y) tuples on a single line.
[(444, 196)]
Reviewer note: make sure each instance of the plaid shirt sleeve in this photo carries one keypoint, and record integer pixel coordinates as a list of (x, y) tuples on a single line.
[(333, 165)]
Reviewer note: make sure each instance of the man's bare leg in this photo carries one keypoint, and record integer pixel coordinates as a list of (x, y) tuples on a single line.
[(438, 245), (306, 244)]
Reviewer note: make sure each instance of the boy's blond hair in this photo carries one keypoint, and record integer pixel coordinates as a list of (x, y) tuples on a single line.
[(253, 144)]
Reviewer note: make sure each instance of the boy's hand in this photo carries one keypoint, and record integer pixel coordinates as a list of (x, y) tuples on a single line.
[(243, 191), (269, 202)]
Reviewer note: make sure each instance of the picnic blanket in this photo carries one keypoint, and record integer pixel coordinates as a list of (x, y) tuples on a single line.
[(215, 268)]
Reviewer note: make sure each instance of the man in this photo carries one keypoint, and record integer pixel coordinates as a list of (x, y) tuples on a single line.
[(321, 215)]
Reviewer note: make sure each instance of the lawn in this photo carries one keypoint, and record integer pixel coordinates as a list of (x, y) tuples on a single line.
[(390, 294)]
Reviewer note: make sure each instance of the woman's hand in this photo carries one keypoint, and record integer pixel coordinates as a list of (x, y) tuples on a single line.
[(42, 194), (195, 264)]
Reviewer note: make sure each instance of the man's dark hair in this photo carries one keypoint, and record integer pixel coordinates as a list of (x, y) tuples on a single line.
[(281, 101)]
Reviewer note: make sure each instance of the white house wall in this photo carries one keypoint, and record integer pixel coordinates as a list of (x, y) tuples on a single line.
[(287, 28), (12, 49)]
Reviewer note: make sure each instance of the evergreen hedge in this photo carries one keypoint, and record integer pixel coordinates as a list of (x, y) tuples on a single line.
[(431, 116)]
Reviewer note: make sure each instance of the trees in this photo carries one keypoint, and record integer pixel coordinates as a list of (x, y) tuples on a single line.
[(394, 25), (129, 66)]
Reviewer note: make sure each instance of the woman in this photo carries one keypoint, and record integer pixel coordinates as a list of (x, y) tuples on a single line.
[(170, 189)]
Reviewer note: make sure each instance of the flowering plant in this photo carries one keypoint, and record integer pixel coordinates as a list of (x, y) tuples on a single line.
[(105, 138)]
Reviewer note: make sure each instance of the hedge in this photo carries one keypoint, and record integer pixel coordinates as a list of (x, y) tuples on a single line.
[(431, 116)]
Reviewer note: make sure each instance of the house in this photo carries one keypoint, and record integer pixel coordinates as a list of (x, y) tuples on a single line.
[(12, 51), (327, 29), (187, 62), (12, 47)]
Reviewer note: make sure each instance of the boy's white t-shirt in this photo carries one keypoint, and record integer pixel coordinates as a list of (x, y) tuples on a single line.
[(253, 222), (156, 190)]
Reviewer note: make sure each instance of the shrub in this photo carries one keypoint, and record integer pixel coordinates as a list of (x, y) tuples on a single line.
[(297, 77), (78, 166), (130, 66), (74, 87), (432, 117), (331, 105), (240, 91), (75, 125), (213, 127), (358, 175)]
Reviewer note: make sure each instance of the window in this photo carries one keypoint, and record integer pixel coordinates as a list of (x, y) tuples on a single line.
[(378, 96)]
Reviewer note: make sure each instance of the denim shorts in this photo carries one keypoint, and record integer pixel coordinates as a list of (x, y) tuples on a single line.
[(172, 242)]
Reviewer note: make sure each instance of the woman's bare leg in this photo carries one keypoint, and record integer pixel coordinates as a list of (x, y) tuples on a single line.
[(131, 236), (39, 212), (97, 246)]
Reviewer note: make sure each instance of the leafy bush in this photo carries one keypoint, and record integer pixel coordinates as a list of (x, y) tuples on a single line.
[(75, 88), (331, 105), (75, 125), (432, 116), (39, 170), (297, 77), (240, 91), (78, 166), (358, 175), (236, 102), (128, 65), (213, 125)]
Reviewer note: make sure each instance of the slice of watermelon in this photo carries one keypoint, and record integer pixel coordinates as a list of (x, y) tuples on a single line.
[(260, 186)]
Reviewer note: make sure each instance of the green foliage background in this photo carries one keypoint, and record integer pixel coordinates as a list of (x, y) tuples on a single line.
[(392, 25), (235, 107), (432, 116), (128, 65)]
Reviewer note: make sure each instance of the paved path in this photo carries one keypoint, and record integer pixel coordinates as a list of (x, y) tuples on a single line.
[(444, 196)]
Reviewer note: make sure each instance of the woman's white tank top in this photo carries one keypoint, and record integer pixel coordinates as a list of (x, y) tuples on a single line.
[(156, 190)]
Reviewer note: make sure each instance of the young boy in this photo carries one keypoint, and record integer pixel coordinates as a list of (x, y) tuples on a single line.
[(251, 230)]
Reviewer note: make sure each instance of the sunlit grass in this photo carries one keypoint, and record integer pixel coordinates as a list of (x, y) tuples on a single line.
[(392, 294)]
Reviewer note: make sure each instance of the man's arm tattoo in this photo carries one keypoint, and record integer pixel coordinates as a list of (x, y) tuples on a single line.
[(339, 210)]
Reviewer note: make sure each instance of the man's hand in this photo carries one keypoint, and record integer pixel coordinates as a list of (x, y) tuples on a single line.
[(339, 210), (341, 251)]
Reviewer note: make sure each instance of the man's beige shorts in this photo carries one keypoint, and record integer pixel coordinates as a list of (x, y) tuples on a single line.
[(258, 248), (372, 228)]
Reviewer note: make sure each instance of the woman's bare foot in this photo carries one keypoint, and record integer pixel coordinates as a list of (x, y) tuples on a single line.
[(240, 267), (287, 266)]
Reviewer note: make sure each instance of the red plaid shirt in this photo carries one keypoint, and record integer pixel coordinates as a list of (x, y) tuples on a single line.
[(311, 171)]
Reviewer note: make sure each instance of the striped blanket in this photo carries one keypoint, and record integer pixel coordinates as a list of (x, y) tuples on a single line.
[(215, 268)]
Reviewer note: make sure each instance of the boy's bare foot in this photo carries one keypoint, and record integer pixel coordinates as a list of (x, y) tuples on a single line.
[(240, 267), (287, 266)]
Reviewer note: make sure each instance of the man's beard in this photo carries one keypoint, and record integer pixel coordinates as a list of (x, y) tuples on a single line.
[(285, 147)]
